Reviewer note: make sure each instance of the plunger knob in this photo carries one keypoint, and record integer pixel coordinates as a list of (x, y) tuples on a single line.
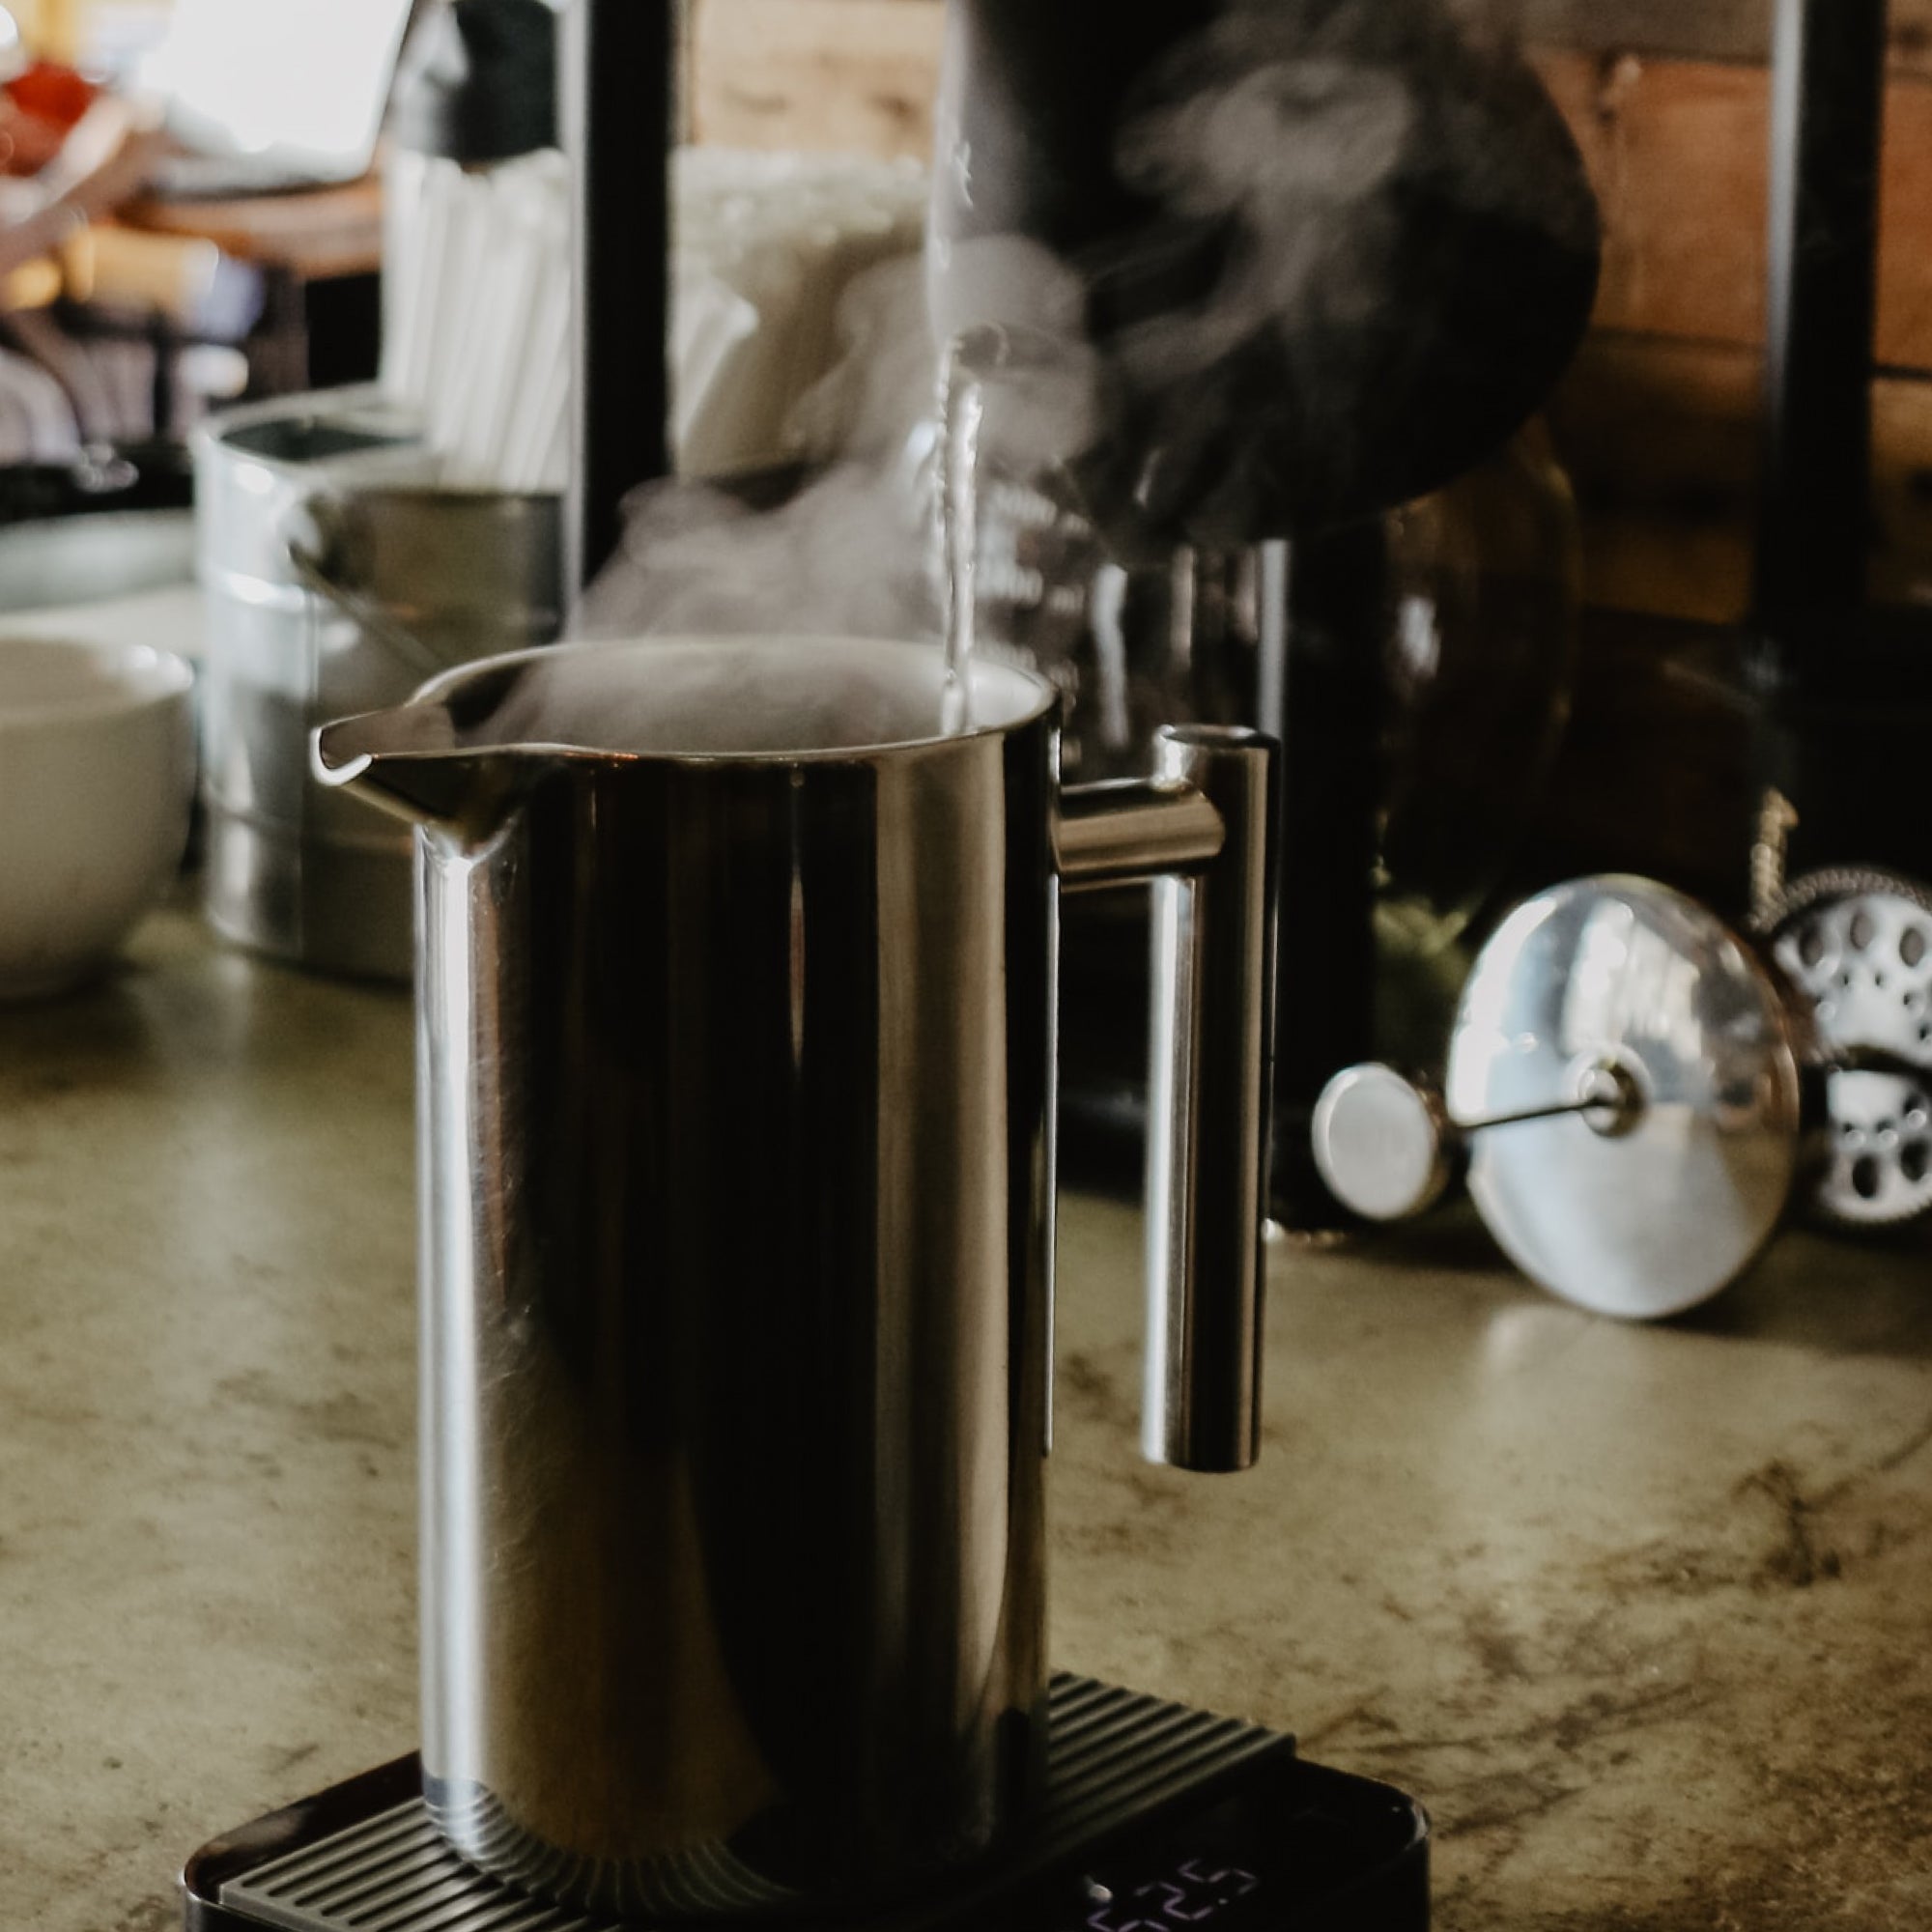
[(1384, 1143), (1388, 1148)]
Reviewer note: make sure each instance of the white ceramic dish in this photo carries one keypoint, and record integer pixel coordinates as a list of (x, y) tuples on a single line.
[(96, 775)]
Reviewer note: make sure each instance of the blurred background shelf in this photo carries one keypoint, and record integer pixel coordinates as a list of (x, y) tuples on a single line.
[(320, 256), (1658, 422)]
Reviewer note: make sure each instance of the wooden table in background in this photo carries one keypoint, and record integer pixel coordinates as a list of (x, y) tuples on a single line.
[(296, 240)]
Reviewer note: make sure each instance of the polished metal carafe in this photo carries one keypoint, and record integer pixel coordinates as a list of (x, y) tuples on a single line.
[(736, 988)]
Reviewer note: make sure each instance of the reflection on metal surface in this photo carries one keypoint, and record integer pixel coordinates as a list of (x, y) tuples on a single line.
[(735, 1077), (1113, 1759), (1125, 831), (1629, 974), (1207, 1111)]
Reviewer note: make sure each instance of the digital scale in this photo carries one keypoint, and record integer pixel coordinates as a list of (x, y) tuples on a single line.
[(1156, 1818)]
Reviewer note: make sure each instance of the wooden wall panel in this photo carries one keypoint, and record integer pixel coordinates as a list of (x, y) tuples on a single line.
[(1662, 442), (849, 74), (1677, 154), (1718, 30), (1714, 30)]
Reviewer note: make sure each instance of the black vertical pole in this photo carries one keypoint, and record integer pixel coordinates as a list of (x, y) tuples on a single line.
[(1323, 697), (1828, 97), (618, 101), (1817, 674)]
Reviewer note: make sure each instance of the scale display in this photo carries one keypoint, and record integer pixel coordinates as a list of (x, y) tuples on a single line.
[(1292, 1845), (1191, 1894)]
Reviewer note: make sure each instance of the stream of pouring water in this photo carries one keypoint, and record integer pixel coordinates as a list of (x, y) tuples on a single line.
[(962, 414)]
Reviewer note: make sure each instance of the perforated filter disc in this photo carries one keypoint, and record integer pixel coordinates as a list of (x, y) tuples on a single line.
[(1857, 948), (1646, 1213)]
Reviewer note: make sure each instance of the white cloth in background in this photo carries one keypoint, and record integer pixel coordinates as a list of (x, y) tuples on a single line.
[(38, 423), (109, 381), (476, 302)]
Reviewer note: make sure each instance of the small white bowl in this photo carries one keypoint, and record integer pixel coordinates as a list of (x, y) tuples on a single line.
[(96, 776)]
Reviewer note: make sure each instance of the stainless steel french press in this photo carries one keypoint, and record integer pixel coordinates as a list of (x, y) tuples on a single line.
[(736, 981), (1636, 1094)]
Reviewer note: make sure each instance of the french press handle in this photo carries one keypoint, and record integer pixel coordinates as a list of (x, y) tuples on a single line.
[(1201, 833)]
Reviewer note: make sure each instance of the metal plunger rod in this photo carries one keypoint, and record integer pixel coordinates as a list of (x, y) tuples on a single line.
[(1827, 94), (1611, 1093), (1557, 1110), (617, 103)]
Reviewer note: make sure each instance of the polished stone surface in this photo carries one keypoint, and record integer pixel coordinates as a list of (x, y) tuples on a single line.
[(1644, 1615)]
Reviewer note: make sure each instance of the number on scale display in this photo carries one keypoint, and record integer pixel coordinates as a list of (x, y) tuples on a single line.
[(1193, 1894)]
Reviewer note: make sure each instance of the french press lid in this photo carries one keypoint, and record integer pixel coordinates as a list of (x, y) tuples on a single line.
[(1644, 1207)]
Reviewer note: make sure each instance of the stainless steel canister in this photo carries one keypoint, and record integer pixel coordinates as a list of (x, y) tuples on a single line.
[(736, 1069), (339, 576)]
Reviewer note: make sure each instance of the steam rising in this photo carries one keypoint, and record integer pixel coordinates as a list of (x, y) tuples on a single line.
[(1339, 252), (1343, 248), (845, 556), (734, 697), (1312, 130)]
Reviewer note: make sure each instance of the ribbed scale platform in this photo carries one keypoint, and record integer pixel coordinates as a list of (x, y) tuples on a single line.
[(1113, 1755), (706, 1882)]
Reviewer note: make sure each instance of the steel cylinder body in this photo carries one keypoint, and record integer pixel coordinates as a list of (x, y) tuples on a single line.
[(735, 1081)]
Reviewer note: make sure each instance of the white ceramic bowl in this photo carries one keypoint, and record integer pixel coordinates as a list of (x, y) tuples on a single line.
[(97, 773)]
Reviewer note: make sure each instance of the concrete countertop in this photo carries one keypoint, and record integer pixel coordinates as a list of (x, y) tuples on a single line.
[(1643, 1615)]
